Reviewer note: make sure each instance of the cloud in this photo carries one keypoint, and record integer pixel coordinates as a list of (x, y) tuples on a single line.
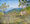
[(13, 4)]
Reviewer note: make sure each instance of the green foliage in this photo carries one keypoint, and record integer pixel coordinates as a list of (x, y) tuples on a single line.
[(19, 0), (4, 5), (28, 8)]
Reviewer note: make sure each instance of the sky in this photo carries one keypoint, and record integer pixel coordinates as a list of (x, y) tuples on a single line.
[(12, 4)]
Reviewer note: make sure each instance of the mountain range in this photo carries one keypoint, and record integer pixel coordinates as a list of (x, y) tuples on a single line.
[(14, 10)]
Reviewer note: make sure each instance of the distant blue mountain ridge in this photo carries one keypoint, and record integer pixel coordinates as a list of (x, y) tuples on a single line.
[(15, 9), (12, 10)]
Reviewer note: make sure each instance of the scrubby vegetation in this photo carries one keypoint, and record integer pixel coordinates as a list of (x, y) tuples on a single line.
[(16, 17), (27, 9)]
